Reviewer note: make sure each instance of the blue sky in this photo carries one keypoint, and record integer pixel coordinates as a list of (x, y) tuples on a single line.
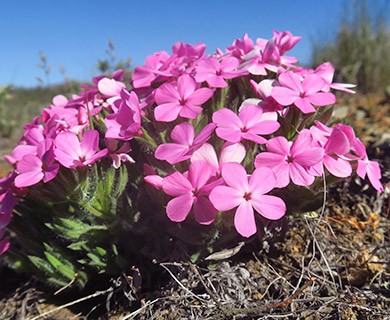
[(75, 34)]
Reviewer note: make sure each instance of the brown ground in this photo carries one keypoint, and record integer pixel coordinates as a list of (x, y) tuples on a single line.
[(330, 264)]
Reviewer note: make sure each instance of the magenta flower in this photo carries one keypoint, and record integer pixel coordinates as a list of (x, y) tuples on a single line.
[(247, 125), (303, 94), (191, 191), (214, 72), (118, 154), (72, 153), (326, 72), (110, 87), (32, 168), (182, 99), (185, 143), (291, 160), (143, 76), (336, 143), (230, 152), (368, 167), (125, 123), (247, 194)]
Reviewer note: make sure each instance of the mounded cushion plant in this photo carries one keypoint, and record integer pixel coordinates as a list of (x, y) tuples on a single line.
[(196, 154)]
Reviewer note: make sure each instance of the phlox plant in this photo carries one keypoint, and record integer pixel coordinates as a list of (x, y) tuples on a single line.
[(196, 153)]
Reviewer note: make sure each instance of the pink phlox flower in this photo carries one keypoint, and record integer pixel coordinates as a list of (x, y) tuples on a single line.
[(191, 192), (247, 125), (125, 123), (32, 168), (72, 152), (326, 72), (336, 143), (182, 99), (263, 90), (7, 199), (118, 155), (241, 47), (110, 89), (230, 152), (291, 160), (27, 145), (144, 76), (184, 58), (65, 115), (215, 71), (259, 60), (269, 113), (184, 143), (303, 94), (285, 41), (366, 167), (247, 195)]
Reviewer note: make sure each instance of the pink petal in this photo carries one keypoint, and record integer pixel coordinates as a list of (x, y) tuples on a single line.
[(261, 181), (270, 207), (167, 112), (279, 145), (300, 176), (204, 135), (265, 127), (235, 176), (190, 111), (110, 87), (229, 134), (93, 158), (204, 211), (338, 142), (199, 173), (244, 220), (69, 144), (312, 84), (28, 178), (89, 142), (322, 98), (200, 96), (284, 96), (225, 198), (309, 157), (252, 137), (176, 184), (183, 134), (226, 118), (250, 115), (167, 93), (304, 105), (338, 167), (290, 80), (232, 153), (269, 159), (154, 180), (172, 152), (374, 175), (186, 85), (207, 154), (51, 172), (29, 163), (179, 208), (282, 173)]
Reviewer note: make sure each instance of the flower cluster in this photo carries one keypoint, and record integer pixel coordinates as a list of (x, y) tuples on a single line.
[(218, 133)]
